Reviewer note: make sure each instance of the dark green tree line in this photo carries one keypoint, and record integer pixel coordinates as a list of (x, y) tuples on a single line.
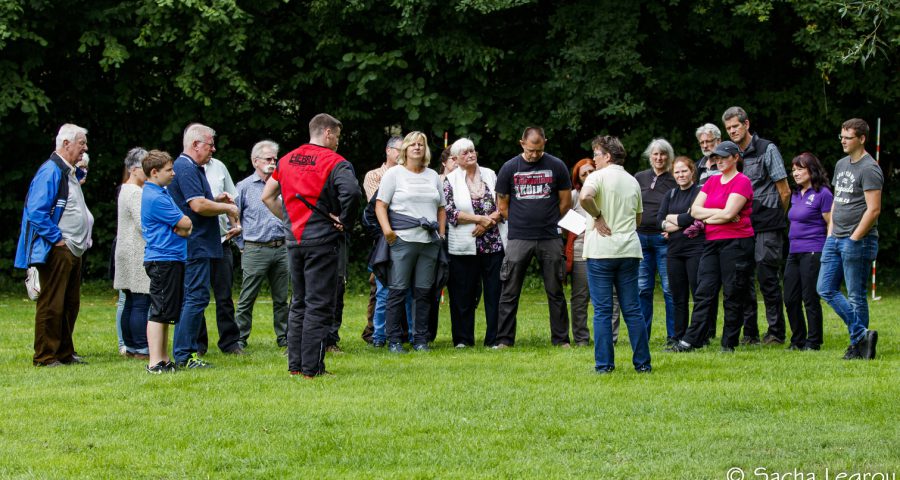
[(136, 72)]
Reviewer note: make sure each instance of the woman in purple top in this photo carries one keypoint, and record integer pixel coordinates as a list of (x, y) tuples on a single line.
[(809, 215)]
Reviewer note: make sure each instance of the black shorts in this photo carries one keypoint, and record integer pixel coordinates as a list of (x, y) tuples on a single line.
[(166, 290)]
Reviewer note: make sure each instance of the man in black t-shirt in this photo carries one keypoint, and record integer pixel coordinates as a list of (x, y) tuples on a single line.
[(533, 193)]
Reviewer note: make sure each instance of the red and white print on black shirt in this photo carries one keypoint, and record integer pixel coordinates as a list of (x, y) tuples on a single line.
[(533, 185)]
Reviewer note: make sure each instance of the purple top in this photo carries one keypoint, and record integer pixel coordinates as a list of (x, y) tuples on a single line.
[(808, 228)]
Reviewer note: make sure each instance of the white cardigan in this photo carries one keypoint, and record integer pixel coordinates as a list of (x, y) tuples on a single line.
[(459, 237)]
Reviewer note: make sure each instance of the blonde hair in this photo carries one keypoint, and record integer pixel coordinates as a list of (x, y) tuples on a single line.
[(407, 141)]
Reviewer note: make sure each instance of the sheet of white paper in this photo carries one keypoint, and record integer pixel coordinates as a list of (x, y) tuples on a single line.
[(573, 222)]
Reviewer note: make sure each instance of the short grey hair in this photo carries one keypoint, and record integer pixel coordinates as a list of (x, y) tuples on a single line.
[(732, 112), (394, 142), (134, 158), (258, 148), (196, 132), (708, 129), (660, 144), (461, 145), (68, 132)]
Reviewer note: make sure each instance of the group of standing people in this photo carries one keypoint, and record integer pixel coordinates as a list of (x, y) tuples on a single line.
[(700, 227)]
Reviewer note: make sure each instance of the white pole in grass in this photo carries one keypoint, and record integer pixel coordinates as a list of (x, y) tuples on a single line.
[(878, 161)]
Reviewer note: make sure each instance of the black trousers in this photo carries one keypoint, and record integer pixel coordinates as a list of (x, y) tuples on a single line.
[(800, 276), (221, 276), (768, 257), (549, 254), (682, 271), (729, 262), (334, 336), (314, 277), (470, 275)]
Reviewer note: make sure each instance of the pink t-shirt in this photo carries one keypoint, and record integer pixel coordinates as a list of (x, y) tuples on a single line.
[(717, 196)]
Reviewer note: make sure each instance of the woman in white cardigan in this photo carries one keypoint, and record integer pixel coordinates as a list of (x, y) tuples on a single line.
[(130, 276), (475, 236)]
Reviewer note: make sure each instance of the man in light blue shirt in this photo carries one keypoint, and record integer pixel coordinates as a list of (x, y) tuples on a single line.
[(263, 254)]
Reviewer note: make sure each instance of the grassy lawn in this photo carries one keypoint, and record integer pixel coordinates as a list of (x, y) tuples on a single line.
[(531, 411)]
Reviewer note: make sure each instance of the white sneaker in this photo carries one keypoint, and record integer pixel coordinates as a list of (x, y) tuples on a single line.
[(460, 345)]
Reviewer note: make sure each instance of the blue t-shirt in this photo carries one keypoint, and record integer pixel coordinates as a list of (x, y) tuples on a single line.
[(190, 182), (159, 214)]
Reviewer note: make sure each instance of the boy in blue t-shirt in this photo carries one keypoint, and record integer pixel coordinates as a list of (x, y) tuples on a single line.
[(165, 229)]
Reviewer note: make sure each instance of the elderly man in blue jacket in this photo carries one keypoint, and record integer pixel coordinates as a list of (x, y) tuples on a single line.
[(56, 231)]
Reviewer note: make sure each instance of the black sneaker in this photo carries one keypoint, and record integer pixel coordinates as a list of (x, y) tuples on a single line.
[(421, 347), (750, 341), (866, 347), (377, 343), (681, 347), (603, 370), (727, 350), (158, 369), (170, 367), (852, 353), (396, 348), (794, 346)]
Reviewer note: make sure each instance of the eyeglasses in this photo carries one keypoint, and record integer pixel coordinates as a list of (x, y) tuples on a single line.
[(467, 153), (211, 144), (842, 138), (268, 159)]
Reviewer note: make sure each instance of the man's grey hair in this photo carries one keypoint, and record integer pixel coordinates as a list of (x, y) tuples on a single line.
[(196, 132), (394, 142), (68, 132), (134, 158), (263, 144), (661, 144), (732, 112), (461, 145), (708, 129)]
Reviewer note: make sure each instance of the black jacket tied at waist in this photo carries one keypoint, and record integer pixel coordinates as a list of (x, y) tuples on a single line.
[(380, 258)]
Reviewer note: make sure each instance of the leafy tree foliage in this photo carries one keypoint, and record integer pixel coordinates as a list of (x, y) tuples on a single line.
[(136, 72)]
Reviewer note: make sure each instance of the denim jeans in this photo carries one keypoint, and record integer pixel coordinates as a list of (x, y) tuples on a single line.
[(654, 248), (848, 260), (622, 273), (378, 319), (196, 299)]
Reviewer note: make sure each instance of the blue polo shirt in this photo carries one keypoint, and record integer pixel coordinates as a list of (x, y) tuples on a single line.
[(158, 218), (190, 182)]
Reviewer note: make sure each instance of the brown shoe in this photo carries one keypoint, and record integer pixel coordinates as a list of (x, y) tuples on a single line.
[(333, 349), (236, 351), (564, 345)]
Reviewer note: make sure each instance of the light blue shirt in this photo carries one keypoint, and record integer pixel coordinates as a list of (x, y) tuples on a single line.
[(257, 222)]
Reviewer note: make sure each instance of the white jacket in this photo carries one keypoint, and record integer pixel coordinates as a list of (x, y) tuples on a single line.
[(459, 237)]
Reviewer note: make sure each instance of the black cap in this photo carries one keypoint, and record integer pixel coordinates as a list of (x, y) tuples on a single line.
[(725, 149)]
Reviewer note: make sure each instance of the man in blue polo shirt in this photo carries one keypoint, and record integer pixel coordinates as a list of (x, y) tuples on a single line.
[(191, 192)]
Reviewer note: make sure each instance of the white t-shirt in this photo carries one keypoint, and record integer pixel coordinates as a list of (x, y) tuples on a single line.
[(418, 195)]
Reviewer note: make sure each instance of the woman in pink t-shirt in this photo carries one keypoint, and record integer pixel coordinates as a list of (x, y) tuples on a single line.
[(724, 205)]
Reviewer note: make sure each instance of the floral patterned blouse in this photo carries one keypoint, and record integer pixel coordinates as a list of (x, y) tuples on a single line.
[(490, 242)]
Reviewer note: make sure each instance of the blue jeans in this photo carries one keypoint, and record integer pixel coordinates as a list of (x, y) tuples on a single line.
[(196, 299), (378, 319), (654, 248), (844, 259), (622, 273)]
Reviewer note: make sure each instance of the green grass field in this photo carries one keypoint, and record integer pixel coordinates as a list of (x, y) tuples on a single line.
[(533, 411)]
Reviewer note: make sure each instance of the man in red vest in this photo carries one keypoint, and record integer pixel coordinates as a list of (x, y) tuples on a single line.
[(315, 193)]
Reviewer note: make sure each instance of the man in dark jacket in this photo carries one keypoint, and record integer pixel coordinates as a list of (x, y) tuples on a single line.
[(315, 192), (56, 231)]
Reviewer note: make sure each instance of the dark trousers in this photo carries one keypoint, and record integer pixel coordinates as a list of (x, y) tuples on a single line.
[(470, 275), (731, 263), (682, 270), (221, 276), (334, 336), (57, 307), (519, 253), (134, 321), (369, 329), (800, 276), (314, 276), (423, 299), (768, 256)]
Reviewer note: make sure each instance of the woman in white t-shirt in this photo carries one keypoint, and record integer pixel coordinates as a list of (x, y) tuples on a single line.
[(408, 196)]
